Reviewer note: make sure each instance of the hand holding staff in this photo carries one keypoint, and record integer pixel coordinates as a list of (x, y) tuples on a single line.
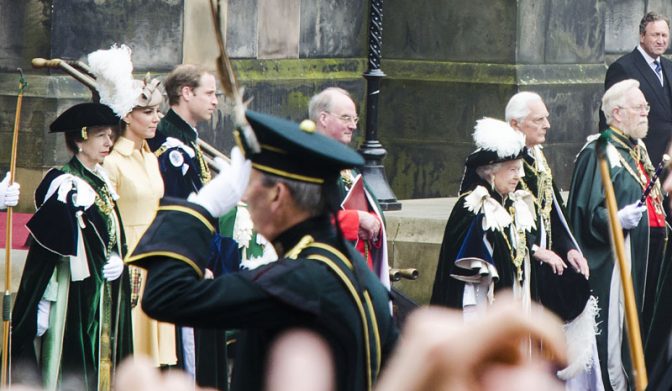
[(7, 297), (631, 313)]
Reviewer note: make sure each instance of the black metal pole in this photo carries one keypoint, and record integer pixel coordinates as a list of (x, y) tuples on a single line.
[(372, 149)]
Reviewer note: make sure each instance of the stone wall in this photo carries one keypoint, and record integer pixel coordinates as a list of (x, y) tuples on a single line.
[(448, 63)]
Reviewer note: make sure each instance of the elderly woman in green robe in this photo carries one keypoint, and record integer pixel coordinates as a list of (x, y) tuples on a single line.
[(484, 247), (72, 314)]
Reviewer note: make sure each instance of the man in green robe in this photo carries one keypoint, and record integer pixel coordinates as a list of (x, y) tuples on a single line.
[(320, 283), (630, 169)]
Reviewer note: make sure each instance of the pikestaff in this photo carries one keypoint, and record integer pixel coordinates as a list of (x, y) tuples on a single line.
[(631, 318), (7, 298)]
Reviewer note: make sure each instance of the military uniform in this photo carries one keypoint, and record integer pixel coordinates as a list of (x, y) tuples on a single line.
[(319, 282), (185, 171)]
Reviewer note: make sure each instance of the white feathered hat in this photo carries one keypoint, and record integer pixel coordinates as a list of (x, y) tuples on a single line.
[(496, 142), (117, 88)]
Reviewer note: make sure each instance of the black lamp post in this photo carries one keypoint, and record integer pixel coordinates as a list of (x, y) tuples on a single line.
[(372, 149)]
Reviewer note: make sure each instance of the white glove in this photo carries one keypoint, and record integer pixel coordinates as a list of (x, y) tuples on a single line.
[(113, 268), (630, 215), (43, 309), (223, 192), (9, 195)]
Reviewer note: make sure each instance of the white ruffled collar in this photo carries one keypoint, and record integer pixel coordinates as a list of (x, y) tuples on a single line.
[(495, 216)]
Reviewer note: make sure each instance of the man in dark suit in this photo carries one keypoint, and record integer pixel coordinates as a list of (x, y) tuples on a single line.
[(654, 73)]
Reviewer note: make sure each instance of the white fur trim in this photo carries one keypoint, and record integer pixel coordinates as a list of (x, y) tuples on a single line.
[(580, 336)]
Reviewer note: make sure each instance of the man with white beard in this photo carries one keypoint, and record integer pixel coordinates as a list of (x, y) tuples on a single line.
[(626, 110)]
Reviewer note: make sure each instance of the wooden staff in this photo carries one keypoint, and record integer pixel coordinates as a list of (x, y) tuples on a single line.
[(82, 73), (243, 132), (631, 317), (7, 297)]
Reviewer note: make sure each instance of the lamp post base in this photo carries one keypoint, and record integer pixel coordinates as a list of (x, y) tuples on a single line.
[(374, 173)]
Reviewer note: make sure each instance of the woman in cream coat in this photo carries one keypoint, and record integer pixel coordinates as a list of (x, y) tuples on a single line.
[(134, 172)]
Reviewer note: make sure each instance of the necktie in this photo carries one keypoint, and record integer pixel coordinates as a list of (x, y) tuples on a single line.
[(659, 71)]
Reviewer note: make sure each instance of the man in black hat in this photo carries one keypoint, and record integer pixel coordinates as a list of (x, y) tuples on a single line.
[(319, 283)]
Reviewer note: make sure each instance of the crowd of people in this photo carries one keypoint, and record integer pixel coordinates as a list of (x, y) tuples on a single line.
[(143, 248)]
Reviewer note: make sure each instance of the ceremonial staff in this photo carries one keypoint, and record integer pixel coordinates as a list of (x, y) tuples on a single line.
[(654, 178), (7, 298), (242, 133), (631, 318), (82, 73)]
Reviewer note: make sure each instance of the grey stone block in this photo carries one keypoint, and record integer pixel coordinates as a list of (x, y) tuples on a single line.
[(278, 34), (470, 31), (152, 28), (333, 28)]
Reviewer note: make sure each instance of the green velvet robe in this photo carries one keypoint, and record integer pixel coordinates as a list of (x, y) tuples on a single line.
[(589, 221), (54, 230), (318, 284)]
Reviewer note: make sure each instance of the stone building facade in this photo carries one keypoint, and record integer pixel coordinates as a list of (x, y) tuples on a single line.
[(447, 63)]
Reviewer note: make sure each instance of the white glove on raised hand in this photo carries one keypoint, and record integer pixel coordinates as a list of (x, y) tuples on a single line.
[(113, 268), (43, 309), (226, 189), (9, 195), (630, 215)]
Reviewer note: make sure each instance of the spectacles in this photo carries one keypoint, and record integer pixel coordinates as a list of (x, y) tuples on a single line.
[(641, 108), (345, 118)]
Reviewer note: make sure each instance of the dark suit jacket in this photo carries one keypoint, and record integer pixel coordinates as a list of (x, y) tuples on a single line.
[(634, 66)]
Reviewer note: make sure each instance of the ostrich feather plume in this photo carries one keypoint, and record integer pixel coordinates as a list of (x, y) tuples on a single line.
[(496, 135), (114, 76)]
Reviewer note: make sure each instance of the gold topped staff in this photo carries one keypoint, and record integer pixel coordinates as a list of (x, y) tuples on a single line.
[(7, 297), (631, 317)]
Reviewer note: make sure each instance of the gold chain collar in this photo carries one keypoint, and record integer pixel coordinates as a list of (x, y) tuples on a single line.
[(544, 197)]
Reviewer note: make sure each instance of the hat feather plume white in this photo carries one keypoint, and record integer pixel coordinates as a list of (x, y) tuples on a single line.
[(496, 135), (114, 76)]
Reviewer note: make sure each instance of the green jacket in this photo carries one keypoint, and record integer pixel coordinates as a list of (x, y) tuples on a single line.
[(318, 283)]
